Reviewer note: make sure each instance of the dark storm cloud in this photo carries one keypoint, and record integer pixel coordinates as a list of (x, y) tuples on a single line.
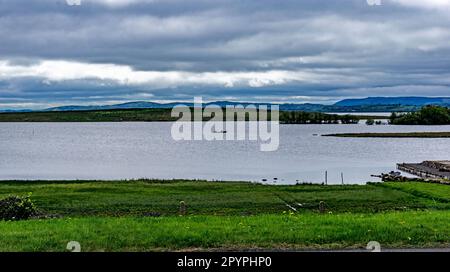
[(301, 51)]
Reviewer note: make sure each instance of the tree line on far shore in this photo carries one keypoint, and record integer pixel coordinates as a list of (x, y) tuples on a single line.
[(428, 115), (300, 117)]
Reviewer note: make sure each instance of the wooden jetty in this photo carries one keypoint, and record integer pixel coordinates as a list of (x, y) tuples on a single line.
[(433, 170)]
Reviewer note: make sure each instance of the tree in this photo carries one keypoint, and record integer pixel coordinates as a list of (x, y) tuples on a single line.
[(429, 115), (349, 119), (370, 122), (393, 118)]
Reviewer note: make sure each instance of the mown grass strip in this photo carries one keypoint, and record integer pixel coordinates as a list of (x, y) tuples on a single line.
[(284, 231), (435, 192)]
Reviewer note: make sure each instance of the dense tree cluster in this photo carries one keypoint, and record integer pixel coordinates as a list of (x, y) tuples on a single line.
[(429, 115), (299, 117)]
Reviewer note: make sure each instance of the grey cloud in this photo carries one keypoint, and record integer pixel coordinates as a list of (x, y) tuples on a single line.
[(355, 49)]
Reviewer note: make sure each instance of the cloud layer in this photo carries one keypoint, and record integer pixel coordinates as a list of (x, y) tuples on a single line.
[(106, 51)]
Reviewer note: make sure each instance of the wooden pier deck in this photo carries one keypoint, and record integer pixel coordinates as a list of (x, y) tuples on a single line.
[(427, 169)]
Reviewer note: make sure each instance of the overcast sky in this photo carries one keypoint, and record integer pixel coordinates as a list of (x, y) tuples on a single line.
[(318, 51)]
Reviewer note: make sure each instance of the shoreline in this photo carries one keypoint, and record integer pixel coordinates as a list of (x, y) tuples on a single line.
[(271, 182), (392, 135)]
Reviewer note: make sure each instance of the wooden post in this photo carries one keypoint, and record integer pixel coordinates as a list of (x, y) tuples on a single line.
[(322, 207), (183, 208)]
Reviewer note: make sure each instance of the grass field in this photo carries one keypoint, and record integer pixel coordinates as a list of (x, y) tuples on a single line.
[(111, 198), (298, 231), (143, 215)]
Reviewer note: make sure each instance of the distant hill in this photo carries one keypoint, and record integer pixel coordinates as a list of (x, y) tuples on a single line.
[(284, 107), (130, 105), (370, 104), (409, 101)]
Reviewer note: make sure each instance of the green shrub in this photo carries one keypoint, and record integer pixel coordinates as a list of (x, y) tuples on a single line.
[(370, 122), (17, 208)]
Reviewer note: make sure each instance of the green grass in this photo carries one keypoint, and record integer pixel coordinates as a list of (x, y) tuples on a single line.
[(142, 215), (121, 198), (311, 231), (393, 135), (435, 192)]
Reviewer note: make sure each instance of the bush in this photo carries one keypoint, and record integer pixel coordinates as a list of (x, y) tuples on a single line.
[(370, 122), (17, 208), (349, 119)]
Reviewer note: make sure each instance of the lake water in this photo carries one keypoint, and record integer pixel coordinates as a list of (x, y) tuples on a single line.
[(30, 151)]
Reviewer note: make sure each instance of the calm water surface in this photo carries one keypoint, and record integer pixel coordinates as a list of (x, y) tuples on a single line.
[(30, 151)]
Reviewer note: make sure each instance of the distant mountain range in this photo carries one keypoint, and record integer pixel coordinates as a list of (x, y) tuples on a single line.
[(370, 104), (283, 107), (410, 101)]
